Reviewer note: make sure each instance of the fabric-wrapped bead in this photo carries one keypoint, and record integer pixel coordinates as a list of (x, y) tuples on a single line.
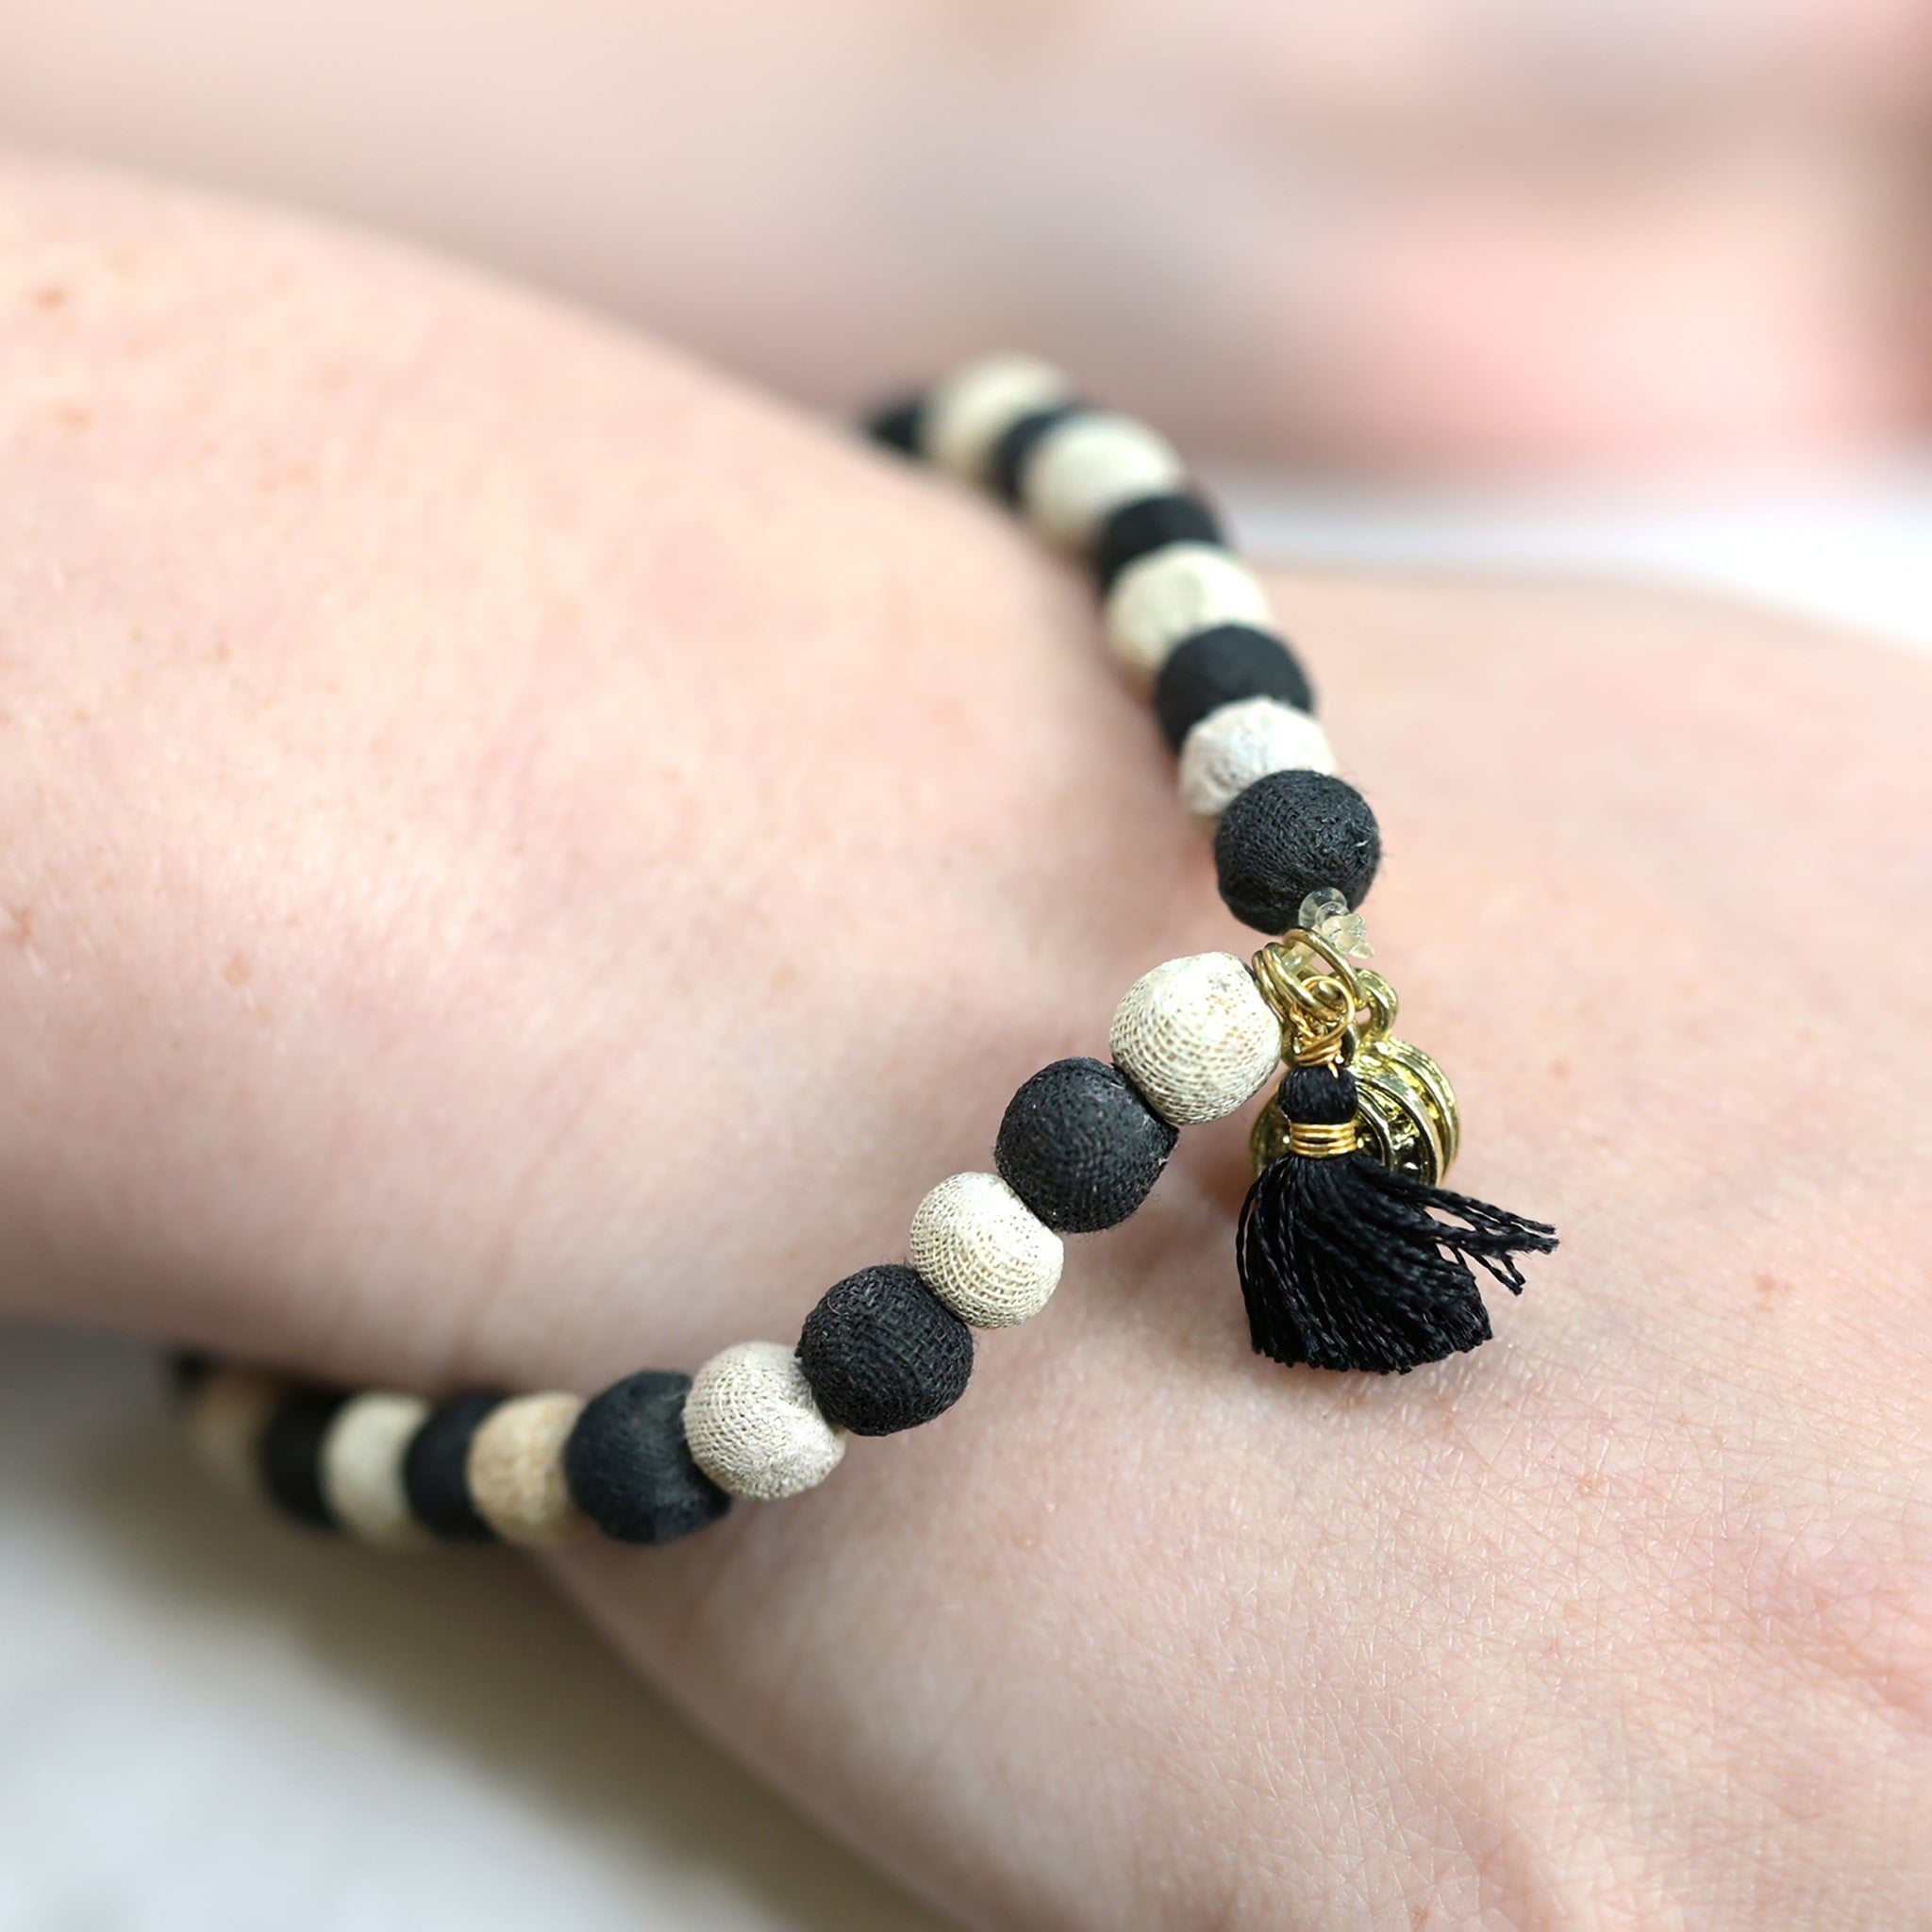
[(1288, 835), (971, 410), (1196, 1038), (227, 1412), (362, 1468), (629, 1468), (1013, 452), (516, 1471), (883, 1352), (1080, 1146), (1239, 744), (1174, 592), (1084, 468), (754, 1425), (895, 425), (184, 1371), (436, 1468), (985, 1253), (1223, 666), (290, 1453), (1138, 528)]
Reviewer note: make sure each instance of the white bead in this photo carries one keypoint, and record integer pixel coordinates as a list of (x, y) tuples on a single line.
[(1175, 591), (969, 410), (1087, 467), (515, 1471), (227, 1415), (1236, 744), (984, 1253), (1196, 1038), (361, 1466), (753, 1425)]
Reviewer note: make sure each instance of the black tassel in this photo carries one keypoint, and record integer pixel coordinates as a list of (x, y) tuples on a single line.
[(1343, 1262)]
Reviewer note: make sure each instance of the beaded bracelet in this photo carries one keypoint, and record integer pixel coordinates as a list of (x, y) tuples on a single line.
[(1350, 1255)]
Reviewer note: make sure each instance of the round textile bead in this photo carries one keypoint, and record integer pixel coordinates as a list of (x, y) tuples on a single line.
[(754, 1427), (1086, 468), (227, 1412), (290, 1455), (1136, 529), (1221, 667), (516, 1471), (1014, 450), (969, 410), (986, 1253), (1231, 748), (1196, 1038), (896, 425), (883, 1352), (1080, 1146), (186, 1369), (436, 1468), (1289, 834), (362, 1468), (630, 1470), (1172, 593)]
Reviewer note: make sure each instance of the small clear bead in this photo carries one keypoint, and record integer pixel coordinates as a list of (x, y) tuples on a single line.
[(1325, 912)]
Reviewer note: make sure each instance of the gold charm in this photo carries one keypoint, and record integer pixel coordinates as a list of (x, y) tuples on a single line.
[(1332, 1010)]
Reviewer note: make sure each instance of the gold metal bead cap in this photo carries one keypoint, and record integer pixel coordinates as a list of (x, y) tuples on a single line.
[(1408, 1118), (1334, 1012)]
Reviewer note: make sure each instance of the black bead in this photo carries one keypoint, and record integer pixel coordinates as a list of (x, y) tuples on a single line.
[(1080, 1146), (1149, 524), (883, 1352), (186, 1370), (896, 424), (1013, 451), (436, 1477), (629, 1469), (1220, 667), (1287, 835), (290, 1455)]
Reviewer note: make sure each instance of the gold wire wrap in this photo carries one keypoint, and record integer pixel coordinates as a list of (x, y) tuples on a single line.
[(1315, 1009), (1332, 1011)]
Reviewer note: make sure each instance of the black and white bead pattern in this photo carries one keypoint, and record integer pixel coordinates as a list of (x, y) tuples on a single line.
[(1087, 466), (1180, 610), (362, 1471), (657, 1455), (1238, 744), (1082, 1143), (963, 421)]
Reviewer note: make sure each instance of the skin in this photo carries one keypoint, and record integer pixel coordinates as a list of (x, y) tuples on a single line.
[(525, 860), (1402, 234)]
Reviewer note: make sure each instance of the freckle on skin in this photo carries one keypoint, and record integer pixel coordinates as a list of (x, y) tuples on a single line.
[(22, 933), (237, 972), (50, 295)]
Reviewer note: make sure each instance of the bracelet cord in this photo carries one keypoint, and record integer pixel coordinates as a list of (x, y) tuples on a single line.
[(1351, 1256)]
